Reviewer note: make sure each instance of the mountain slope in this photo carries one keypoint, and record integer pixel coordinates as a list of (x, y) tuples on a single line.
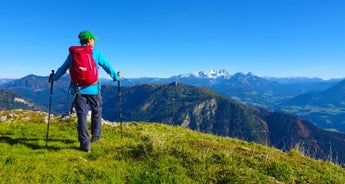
[(37, 89), (325, 108), (288, 131), (186, 106), (145, 153), (10, 100), (206, 111)]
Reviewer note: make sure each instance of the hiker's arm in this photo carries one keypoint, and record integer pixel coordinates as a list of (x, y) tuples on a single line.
[(103, 62), (62, 70)]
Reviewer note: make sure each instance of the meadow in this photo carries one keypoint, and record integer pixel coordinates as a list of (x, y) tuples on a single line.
[(144, 152)]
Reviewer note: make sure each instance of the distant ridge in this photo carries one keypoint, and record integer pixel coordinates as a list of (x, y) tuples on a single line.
[(326, 108), (5, 80)]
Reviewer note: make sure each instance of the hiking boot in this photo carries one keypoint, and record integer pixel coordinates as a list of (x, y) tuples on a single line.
[(85, 148), (96, 139)]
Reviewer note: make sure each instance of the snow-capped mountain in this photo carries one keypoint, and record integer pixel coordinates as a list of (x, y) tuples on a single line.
[(211, 74)]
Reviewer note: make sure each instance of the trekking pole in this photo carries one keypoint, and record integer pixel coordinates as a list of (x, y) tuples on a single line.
[(119, 103), (51, 81)]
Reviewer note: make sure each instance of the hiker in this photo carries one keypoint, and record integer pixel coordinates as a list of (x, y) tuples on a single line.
[(86, 94)]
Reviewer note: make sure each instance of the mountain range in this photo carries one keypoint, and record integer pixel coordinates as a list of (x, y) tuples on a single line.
[(277, 94), (247, 88), (202, 109)]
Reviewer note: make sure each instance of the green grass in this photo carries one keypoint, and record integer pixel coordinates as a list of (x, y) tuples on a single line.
[(144, 153)]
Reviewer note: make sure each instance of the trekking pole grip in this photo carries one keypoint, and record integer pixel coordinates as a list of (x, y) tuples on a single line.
[(51, 76), (51, 81)]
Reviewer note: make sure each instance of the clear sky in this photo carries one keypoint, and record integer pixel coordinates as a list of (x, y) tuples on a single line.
[(161, 38)]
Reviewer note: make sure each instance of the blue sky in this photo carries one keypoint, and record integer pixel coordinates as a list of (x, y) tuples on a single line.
[(161, 38)]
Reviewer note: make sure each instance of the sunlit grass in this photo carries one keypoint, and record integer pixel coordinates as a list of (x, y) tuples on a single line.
[(145, 153)]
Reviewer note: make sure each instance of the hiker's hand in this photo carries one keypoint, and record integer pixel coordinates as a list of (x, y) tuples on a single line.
[(118, 76), (51, 77)]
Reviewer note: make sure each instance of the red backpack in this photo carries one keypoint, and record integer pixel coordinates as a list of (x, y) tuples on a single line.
[(83, 69)]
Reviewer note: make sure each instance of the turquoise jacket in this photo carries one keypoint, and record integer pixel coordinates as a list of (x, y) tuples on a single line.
[(95, 88)]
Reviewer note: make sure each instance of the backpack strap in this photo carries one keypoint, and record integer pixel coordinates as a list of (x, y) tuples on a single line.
[(99, 87), (77, 93)]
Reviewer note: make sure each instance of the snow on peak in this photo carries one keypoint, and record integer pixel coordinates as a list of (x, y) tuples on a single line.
[(210, 74)]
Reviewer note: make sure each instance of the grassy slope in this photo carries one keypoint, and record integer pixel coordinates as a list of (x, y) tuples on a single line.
[(145, 153)]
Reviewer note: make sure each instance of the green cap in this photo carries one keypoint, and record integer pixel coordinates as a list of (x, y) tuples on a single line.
[(84, 35)]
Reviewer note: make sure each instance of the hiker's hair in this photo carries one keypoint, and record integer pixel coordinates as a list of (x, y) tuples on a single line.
[(82, 42)]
